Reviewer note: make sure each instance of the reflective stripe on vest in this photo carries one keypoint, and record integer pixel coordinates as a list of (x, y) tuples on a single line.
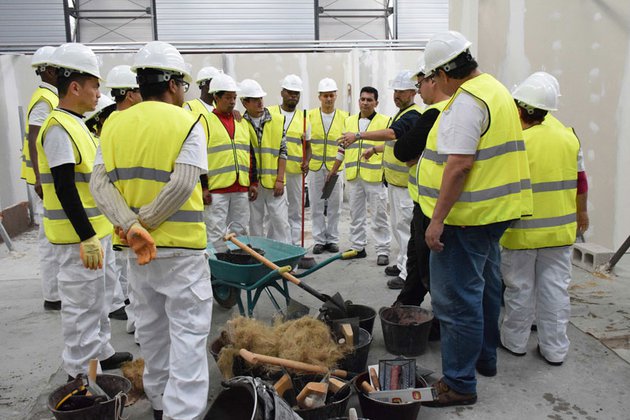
[(57, 226), (498, 187), (372, 169), (294, 133), (140, 168), (40, 94), (396, 172), (268, 149), (324, 144), (228, 159), (553, 154)]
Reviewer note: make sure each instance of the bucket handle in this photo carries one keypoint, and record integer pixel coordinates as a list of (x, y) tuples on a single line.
[(119, 403)]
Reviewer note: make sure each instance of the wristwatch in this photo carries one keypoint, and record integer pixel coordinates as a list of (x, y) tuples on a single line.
[(357, 136)]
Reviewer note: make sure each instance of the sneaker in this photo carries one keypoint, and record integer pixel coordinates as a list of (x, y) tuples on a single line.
[(119, 314), (547, 360), (486, 369), (382, 260), (52, 305), (447, 397), (116, 360), (360, 254), (513, 353), (392, 270), (318, 249), (396, 283), (332, 248)]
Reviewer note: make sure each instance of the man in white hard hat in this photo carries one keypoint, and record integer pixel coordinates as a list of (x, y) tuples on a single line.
[(326, 126), (396, 172), (147, 176), (270, 147), (536, 255), (203, 104), (124, 87), (232, 181), (94, 119), (80, 233), (473, 182), (364, 178), (298, 153), (42, 102)]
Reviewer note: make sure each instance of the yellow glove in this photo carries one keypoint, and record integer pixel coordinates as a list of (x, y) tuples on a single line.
[(142, 243), (92, 253)]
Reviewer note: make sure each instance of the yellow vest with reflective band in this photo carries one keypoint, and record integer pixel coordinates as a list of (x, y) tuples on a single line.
[(553, 155), (370, 170), (267, 149), (412, 185), (139, 147), (228, 159), (397, 172), (324, 144), (498, 187), (57, 226), (198, 108), (41, 94), (294, 134)]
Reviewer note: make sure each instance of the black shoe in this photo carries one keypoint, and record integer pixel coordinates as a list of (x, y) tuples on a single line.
[(534, 327), (332, 248), (52, 305), (392, 270), (360, 254), (546, 360), (513, 353), (116, 360), (70, 378), (382, 260), (396, 283), (318, 249), (119, 314), (157, 414), (485, 369)]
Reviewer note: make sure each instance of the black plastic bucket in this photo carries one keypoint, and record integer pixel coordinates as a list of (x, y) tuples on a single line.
[(365, 314), (331, 409), (357, 360), (109, 410), (379, 410), (406, 329)]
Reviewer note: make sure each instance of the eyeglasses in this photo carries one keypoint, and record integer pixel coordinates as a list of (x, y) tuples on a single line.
[(186, 85), (419, 84)]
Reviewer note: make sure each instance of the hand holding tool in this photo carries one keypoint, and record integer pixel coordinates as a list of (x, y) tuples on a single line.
[(142, 243), (91, 253)]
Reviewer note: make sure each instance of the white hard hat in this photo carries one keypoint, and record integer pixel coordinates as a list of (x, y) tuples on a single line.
[(251, 89), (223, 82), (103, 102), (74, 57), (121, 77), (42, 56), (327, 85), (537, 92), (420, 71), (403, 81), (207, 73), (442, 49), (292, 82), (549, 78), (161, 56)]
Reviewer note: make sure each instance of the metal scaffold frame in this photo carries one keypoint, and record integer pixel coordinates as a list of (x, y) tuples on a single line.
[(342, 14)]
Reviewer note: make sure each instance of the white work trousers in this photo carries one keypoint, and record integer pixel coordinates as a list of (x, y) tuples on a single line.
[(400, 211), (173, 313), (118, 294), (294, 197), (361, 195), (86, 296), (272, 212), (325, 228), (229, 211), (48, 266), (537, 282)]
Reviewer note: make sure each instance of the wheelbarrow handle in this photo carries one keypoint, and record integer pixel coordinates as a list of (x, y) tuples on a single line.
[(255, 358), (288, 276)]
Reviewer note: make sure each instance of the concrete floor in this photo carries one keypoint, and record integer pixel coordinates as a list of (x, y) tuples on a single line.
[(593, 383)]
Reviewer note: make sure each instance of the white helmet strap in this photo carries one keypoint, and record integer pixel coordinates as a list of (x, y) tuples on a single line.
[(459, 61), (530, 109)]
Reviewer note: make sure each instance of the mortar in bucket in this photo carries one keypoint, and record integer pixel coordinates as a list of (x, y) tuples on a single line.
[(357, 360), (406, 329), (336, 404), (365, 314), (380, 410), (116, 387)]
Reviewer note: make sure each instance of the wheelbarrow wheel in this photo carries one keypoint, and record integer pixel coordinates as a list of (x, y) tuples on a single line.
[(226, 296)]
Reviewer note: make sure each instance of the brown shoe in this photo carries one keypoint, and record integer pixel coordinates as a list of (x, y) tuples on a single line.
[(447, 397)]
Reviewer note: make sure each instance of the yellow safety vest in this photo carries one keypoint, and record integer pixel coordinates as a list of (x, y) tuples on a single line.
[(139, 147), (228, 158), (267, 149), (372, 169), (294, 134), (40, 94), (324, 144), (413, 170), (198, 108), (397, 172), (57, 226), (552, 154), (498, 187)]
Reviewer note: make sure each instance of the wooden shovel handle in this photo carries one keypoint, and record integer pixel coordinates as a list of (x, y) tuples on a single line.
[(92, 368), (255, 358)]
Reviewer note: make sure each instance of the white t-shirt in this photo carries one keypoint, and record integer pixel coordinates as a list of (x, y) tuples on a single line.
[(58, 145), (41, 109), (461, 126), (327, 120), (288, 117), (364, 123)]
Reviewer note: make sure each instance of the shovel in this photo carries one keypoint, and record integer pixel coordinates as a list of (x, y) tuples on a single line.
[(334, 304)]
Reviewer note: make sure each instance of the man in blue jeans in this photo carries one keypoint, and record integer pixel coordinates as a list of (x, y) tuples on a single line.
[(473, 182)]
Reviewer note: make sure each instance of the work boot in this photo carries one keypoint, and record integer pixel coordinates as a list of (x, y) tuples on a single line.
[(382, 260), (360, 254), (158, 414), (318, 249), (447, 397), (332, 248), (52, 305), (486, 368), (116, 360), (119, 314), (396, 283), (392, 270)]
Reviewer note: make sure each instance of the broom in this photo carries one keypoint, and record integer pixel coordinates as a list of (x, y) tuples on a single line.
[(305, 262)]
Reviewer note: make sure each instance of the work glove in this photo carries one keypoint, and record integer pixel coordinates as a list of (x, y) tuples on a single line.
[(92, 253), (142, 243), (121, 234)]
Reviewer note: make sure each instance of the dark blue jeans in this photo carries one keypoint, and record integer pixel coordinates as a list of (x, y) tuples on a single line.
[(466, 298)]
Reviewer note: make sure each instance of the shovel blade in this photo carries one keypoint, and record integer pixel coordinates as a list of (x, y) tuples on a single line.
[(296, 310)]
